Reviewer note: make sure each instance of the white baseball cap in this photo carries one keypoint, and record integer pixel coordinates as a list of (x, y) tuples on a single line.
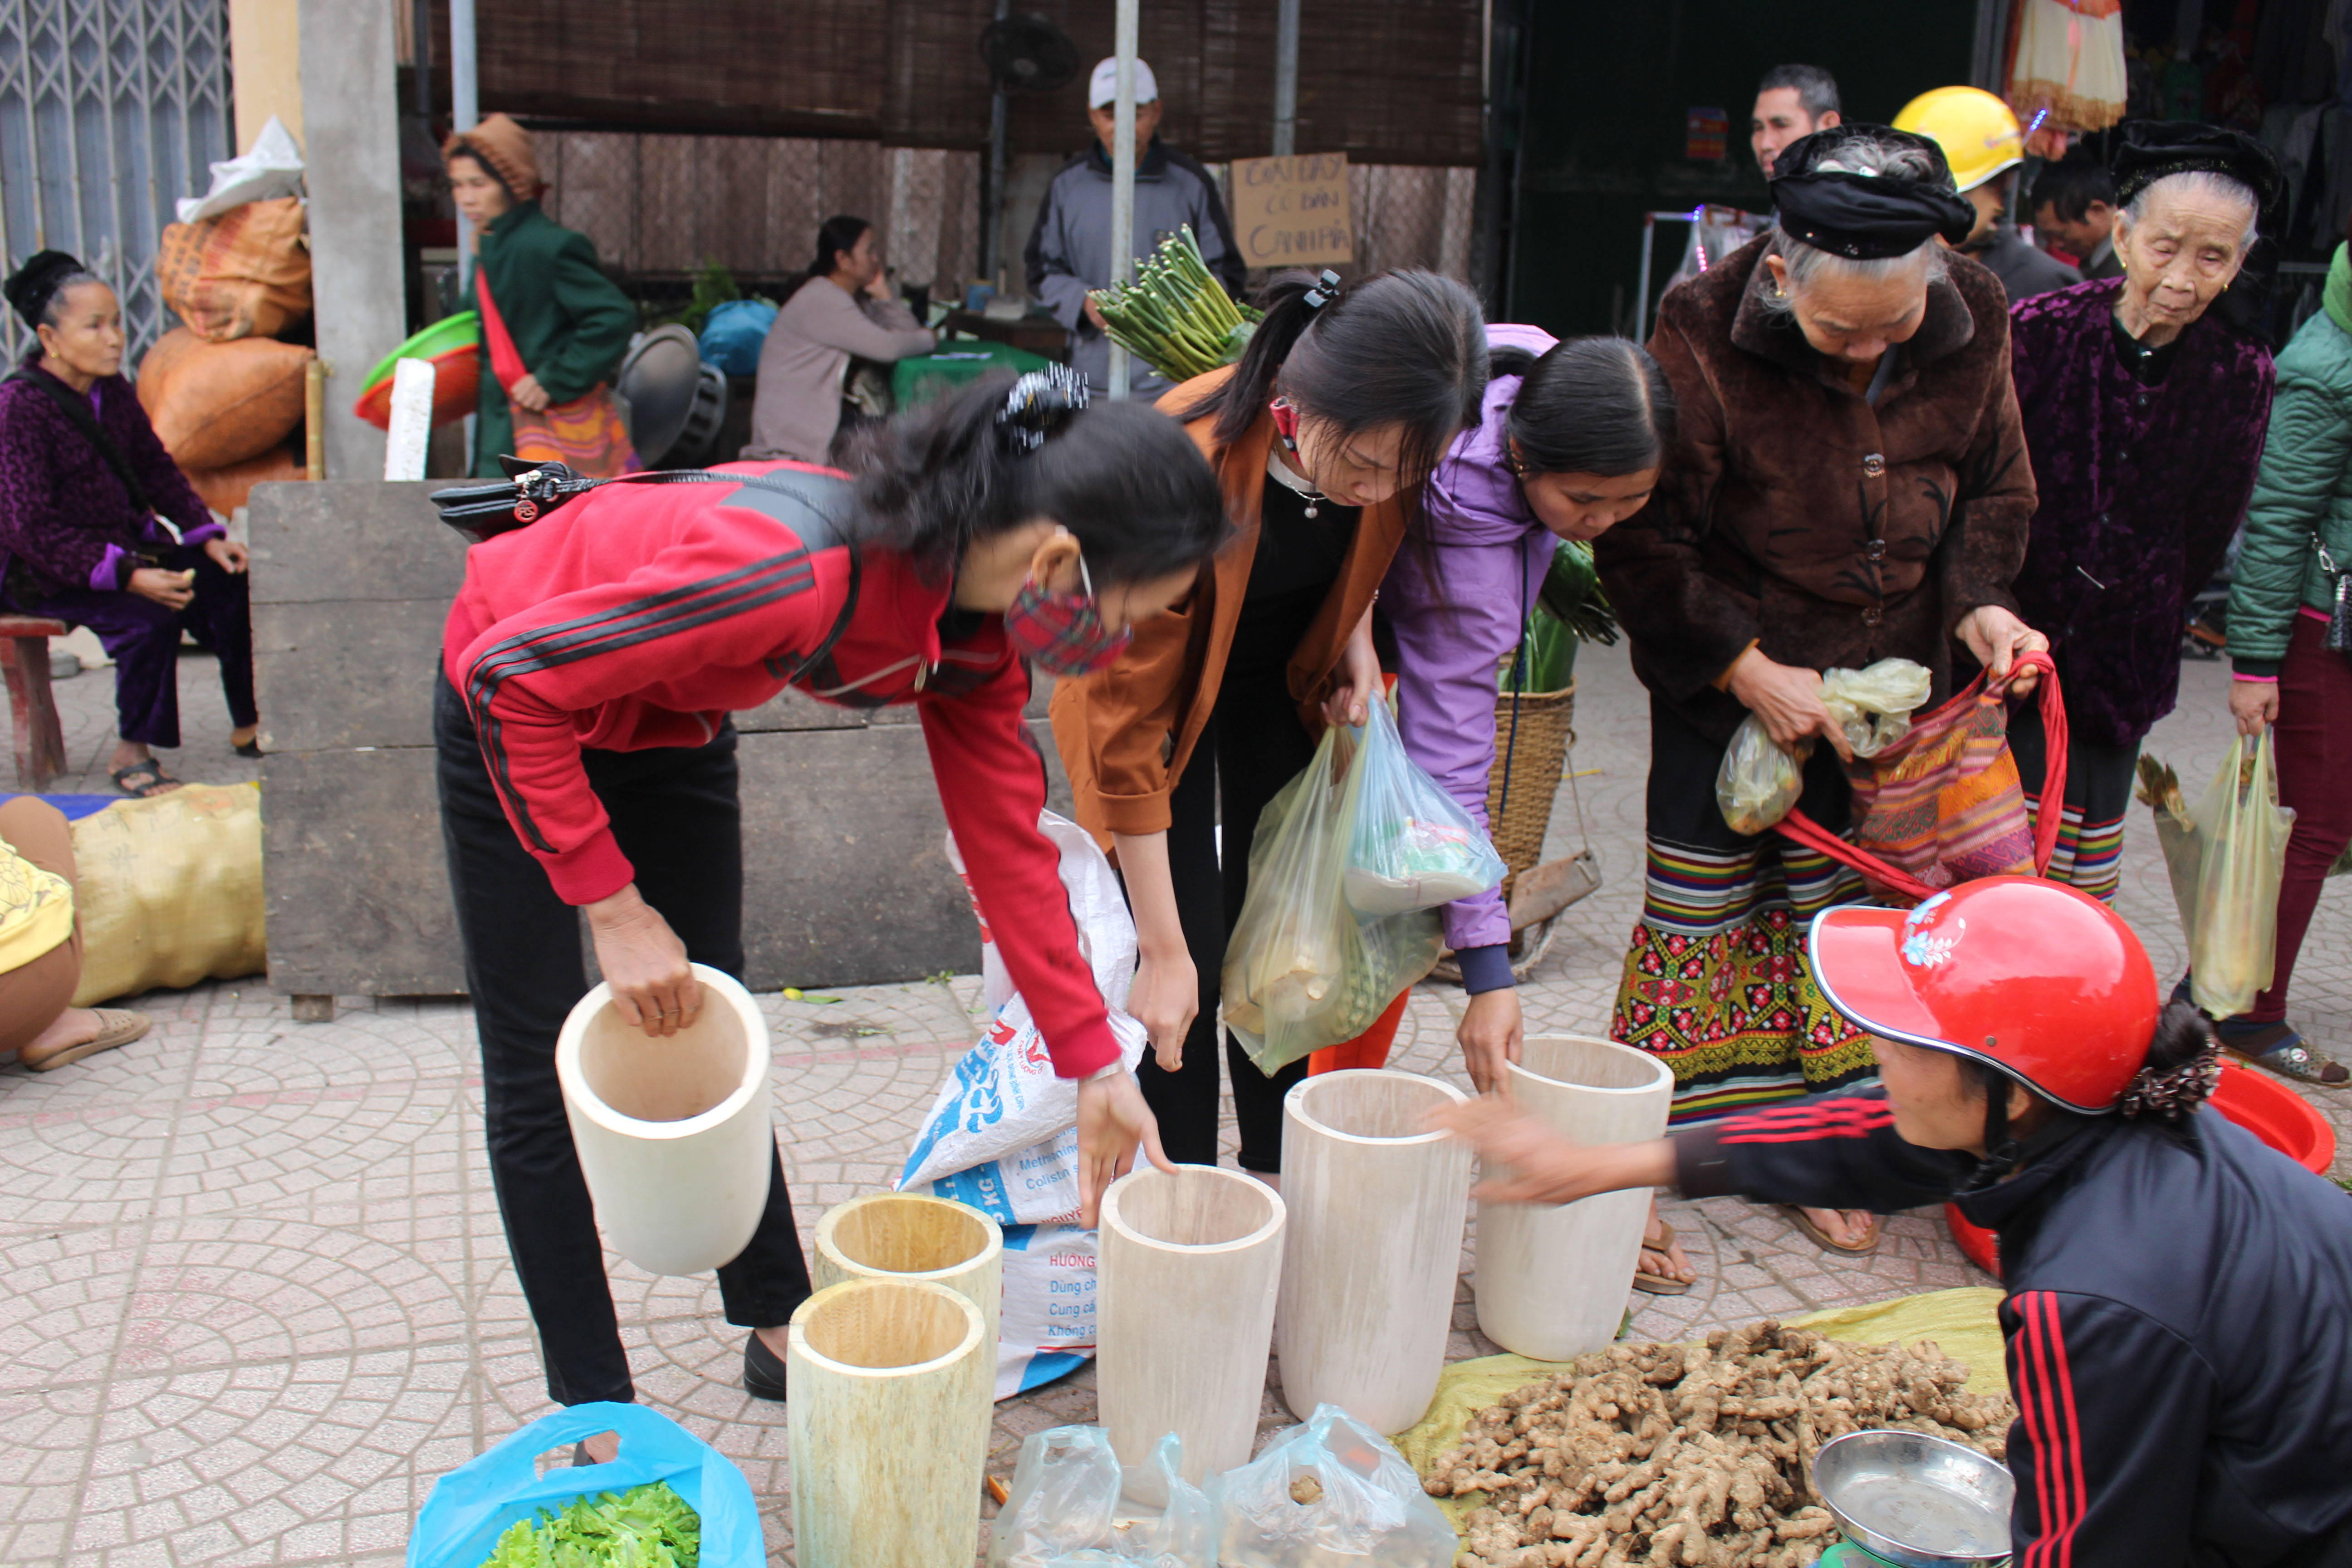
[(1103, 92)]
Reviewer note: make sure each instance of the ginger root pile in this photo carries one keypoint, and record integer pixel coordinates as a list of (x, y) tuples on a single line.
[(1699, 1455)]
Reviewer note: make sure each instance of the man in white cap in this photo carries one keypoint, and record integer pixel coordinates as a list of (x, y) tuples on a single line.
[(1069, 251)]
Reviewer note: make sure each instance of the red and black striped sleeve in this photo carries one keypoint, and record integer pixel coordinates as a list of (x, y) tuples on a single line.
[(1831, 1151), (2109, 1442)]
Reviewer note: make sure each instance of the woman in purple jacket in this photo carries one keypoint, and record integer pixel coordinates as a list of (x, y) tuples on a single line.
[(85, 487), (1570, 443)]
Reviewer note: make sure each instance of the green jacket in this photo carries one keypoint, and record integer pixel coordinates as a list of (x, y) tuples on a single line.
[(570, 323), (2303, 496)]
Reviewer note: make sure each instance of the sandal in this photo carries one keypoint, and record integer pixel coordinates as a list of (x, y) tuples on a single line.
[(144, 780), (2276, 1047), (116, 1027), (1659, 1284), (1828, 1242)]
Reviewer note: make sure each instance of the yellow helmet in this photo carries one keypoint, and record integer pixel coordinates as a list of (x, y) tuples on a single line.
[(1978, 134)]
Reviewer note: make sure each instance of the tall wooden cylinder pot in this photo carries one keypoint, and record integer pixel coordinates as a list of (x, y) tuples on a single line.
[(1377, 1204), (889, 1383), (1552, 1278), (1189, 1266), (674, 1134), (913, 1235)]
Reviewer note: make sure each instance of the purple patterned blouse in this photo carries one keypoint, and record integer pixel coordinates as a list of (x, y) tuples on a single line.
[(2141, 485), (66, 520)]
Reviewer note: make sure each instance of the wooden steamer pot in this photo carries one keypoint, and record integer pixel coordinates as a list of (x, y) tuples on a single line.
[(913, 1235)]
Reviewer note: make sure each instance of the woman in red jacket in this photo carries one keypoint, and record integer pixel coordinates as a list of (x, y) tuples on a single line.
[(587, 764)]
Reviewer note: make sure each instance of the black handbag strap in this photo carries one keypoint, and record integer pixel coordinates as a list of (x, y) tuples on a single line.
[(77, 413)]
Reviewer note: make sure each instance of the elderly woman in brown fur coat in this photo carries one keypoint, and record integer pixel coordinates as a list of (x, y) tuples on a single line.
[(1850, 484)]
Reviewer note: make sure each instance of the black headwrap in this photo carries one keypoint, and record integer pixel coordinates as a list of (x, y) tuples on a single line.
[(32, 286), (2149, 150), (1865, 217)]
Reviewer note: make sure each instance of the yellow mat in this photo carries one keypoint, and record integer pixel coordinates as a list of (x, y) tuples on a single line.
[(1963, 1323)]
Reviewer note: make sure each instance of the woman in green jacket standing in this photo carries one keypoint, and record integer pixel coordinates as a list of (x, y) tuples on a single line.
[(554, 328), (2298, 541)]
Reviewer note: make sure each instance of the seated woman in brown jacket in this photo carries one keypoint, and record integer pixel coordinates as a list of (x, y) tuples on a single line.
[(1849, 484), (1321, 437)]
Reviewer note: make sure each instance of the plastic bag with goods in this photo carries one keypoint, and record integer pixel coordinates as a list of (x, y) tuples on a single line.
[(1331, 1493), (473, 1506), (272, 170), (1073, 1505), (1413, 847), (2226, 858), (1759, 781), (1302, 970)]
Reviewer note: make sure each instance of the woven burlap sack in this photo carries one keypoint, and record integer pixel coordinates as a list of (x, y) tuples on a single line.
[(169, 891), (245, 274), (214, 405)]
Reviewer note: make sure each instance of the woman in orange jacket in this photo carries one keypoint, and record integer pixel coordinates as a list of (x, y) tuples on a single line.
[(1322, 436)]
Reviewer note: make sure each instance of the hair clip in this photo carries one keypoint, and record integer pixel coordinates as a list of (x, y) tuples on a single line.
[(1040, 399), (1326, 290)]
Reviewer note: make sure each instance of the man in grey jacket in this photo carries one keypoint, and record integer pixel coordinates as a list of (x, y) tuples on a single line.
[(1069, 251)]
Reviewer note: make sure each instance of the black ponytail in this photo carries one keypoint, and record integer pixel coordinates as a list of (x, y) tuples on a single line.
[(1123, 477), (1593, 405), (2182, 1069), (1397, 348)]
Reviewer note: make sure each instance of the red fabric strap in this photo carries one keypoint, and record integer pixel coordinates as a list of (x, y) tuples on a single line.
[(505, 362), (1804, 830)]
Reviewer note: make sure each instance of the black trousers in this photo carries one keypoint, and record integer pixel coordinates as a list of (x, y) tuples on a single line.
[(1253, 746), (675, 813)]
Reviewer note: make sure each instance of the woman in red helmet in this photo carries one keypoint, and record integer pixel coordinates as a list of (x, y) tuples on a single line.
[(2178, 1292)]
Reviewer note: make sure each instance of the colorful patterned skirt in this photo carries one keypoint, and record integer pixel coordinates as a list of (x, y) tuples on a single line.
[(1718, 983)]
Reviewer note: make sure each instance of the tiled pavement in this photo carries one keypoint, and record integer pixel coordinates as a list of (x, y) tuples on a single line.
[(258, 1296)]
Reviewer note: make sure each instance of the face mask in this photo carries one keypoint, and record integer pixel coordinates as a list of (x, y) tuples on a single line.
[(1062, 637)]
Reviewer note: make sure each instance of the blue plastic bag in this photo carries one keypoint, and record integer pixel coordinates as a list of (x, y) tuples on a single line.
[(474, 1504), (733, 332)]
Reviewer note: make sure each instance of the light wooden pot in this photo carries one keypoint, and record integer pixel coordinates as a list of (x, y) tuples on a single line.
[(1189, 1266), (913, 1235), (890, 1383), (674, 1134), (1551, 1278), (1377, 1209)]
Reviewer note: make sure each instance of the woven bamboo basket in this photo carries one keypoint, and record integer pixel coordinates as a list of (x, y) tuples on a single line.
[(1533, 731)]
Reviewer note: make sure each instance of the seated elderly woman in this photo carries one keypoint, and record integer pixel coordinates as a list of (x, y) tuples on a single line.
[(1848, 484), (85, 490), (2145, 414)]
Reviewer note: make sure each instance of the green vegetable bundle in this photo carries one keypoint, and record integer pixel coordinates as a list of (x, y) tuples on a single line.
[(645, 1527), (1570, 608), (1176, 317)]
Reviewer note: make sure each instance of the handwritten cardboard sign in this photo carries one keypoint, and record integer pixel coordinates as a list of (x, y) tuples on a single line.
[(1293, 212)]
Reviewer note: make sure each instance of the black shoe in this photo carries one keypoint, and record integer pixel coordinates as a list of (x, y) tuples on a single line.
[(763, 1370)]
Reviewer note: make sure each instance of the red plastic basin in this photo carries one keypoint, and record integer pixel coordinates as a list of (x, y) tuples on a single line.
[(2255, 1101)]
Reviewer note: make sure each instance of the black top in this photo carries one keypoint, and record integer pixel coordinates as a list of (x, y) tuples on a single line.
[(1297, 561), (2146, 361)]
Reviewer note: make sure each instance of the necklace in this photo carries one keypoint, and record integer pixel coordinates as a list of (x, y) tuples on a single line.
[(1278, 469)]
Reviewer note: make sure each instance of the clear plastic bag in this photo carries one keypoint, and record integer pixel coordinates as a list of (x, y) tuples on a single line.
[(1329, 1494), (1301, 970), (1413, 847), (2226, 856), (1073, 1504), (1759, 782)]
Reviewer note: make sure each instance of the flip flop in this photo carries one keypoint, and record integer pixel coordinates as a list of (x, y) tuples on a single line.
[(116, 1027), (144, 780), (1660, 1284), (1822, 1238)]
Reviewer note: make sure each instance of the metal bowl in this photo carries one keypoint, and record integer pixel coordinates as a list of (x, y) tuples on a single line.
[(1915, 1500)]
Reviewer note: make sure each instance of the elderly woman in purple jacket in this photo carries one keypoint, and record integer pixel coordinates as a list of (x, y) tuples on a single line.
[(1570, 443), (85, 487)]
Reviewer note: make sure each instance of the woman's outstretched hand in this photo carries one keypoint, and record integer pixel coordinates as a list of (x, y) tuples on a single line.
[(1113, 1121), (1544, 1167), (1996, 636), (1489, 1035), (1787, 701), (653, 983)]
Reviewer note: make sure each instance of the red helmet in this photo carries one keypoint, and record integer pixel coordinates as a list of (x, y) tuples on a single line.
[(2039, 980)]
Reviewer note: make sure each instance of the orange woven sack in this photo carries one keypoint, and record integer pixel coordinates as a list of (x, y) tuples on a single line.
[(245, 274), (217, 404)]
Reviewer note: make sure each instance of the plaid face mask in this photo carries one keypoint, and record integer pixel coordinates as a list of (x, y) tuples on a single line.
[(1062, 637)]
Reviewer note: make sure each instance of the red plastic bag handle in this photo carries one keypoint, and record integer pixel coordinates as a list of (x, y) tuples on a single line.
[(1804, 830)]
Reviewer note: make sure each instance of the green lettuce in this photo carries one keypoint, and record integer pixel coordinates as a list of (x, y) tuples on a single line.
[(646, 1527)]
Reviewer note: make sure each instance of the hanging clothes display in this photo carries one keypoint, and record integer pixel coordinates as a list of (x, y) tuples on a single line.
[(2069, 63)]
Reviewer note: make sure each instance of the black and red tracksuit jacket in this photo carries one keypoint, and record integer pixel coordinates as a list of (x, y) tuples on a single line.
[(641, 614), (2178, 1321)]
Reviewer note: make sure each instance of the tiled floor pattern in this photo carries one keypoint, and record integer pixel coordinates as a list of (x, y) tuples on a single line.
[(258, 1288)]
